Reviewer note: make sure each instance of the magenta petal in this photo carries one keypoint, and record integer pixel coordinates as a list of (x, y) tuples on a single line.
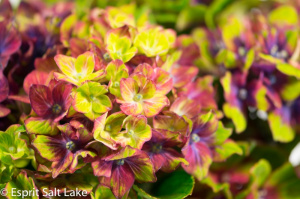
[(62, 95), (158, 160), (40, 100), (3, 62), (142, 167), (122, 179), (57, 148), (199, 157), (4, 89), (102, 168), (170, 163), (20, 98), (61, 165), (4, 111), (9, 39), (35, 77)]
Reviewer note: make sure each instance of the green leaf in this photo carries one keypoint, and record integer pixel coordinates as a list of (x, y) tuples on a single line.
[(189, 16), (81, 182), (141, 193), (177, 186), (289, 13), (286, 181), (216, 7), (282, 174), (217, 187)]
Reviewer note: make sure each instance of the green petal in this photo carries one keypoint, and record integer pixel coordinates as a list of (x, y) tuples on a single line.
[(136, 134), (289, 13), (102, 192), (48, 147), (85, 63), (237, 117), (291, 91), (249, 59), (66, 64), (288, 70), (90, 99), (106, 128), (226, 149), (119, 45), (154, 41), (13, 147), (39, 126), (281, 131), (21, 182), (222, 134), (260, 172)]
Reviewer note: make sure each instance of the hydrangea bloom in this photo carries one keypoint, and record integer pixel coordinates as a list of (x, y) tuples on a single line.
[(97, 97)]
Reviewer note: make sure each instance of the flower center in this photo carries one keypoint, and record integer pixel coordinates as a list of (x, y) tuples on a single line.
[(12, 149), (156, 148), (241, 51), (70, 145), (56, 109), (130, 132), (116, 84), (281, 54), (243, 94), (137, 97), (119, 53), (106, 57), (120, 162), (195, 137), (172, 128), (92, 97), (79, 75), (108, 127)]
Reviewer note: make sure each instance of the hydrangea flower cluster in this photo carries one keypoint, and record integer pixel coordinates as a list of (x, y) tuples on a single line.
[(105, 101)]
